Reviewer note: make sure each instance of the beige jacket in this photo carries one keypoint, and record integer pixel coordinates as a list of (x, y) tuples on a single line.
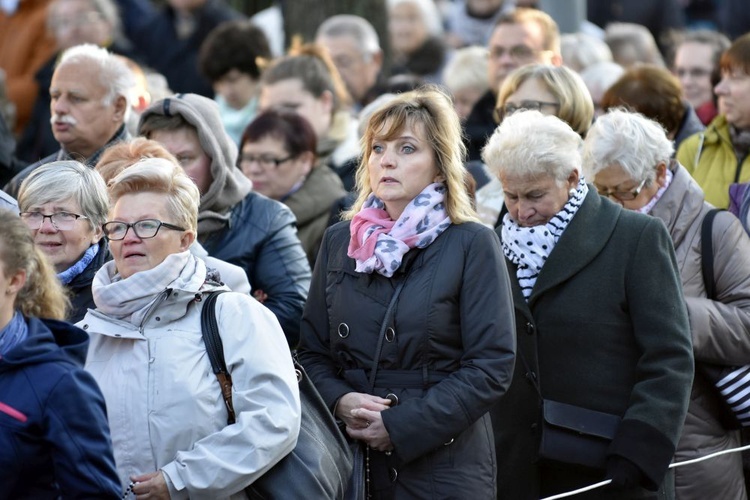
[(720, 329)]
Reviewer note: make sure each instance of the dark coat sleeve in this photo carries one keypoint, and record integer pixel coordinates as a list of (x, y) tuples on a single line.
[(649, 431), (77, 428), (282, 271)]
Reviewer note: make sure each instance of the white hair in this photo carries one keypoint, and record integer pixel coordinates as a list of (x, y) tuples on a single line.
[(356, 27), (60, 181), (581, 50), (528, 143), (467, 69), (430, 14), (628, 140), (114, 74)]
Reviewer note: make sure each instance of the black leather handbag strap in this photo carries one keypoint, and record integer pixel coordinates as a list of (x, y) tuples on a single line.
[(381, 335), (215, 350), (707, 253)]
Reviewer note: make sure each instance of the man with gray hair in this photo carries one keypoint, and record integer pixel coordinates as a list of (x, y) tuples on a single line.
[(355, 50), (89, 106)]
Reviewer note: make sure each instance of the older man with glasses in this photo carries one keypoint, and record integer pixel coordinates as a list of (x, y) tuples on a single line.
[(520, 37)]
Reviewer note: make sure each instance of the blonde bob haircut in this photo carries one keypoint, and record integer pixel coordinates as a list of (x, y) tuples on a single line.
[(42, 296), (576, 106), (430, 110), (157, 175)]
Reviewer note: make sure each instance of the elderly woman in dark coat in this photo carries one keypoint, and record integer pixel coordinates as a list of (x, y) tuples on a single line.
[(601, 322), (65, 203), (414, 385)]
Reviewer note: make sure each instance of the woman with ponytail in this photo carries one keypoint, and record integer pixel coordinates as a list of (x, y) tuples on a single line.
[(54, 436)]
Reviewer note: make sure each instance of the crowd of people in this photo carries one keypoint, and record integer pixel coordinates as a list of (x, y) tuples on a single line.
[(492, 246)]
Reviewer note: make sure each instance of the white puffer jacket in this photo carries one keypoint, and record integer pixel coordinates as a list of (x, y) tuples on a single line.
[(164, 403)]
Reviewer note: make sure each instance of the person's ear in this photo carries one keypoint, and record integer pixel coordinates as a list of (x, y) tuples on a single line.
[(187, 239), (326, 101), (307, 160), (661, 174), (573, 179), (17, 281), (121, 105), (377, 59), (97, 235)]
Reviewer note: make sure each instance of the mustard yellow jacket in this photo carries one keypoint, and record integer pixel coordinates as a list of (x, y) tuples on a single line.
[(710, 159)]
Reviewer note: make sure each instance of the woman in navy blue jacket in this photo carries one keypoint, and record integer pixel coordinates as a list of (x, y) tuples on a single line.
[(54, 436)]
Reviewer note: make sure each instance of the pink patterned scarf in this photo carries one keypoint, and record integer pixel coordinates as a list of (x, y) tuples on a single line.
[(378, 243)]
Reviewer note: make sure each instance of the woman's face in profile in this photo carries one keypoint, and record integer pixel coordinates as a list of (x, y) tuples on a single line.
[(134, 254), (534, 200)]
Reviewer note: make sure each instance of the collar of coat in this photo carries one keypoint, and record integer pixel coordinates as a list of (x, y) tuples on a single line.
[(583, 239)]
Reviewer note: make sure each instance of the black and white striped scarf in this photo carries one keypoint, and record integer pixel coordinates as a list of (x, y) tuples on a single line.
[(529, 247)]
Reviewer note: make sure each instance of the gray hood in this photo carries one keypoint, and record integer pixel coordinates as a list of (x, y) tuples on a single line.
[(229, 185)]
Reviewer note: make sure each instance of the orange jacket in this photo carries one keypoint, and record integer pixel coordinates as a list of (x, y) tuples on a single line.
[(25, 45)]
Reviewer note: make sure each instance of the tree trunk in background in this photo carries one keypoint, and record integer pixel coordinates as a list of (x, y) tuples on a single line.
[(302, 17)]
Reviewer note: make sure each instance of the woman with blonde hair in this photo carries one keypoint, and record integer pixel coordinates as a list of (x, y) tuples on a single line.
[(54, 436), (408, 331)]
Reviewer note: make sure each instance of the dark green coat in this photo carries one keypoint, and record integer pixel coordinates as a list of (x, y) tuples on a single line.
[(605, 328)]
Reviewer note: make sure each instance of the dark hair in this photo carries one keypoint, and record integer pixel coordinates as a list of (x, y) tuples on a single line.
[(291, 128), (233, 45), (737, 56), (651, 91)]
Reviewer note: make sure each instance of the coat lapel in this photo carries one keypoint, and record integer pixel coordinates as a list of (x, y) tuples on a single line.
[(582, 240)]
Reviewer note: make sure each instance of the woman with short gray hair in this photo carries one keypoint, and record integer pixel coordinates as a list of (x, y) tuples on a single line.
[(628, 157), (65, 203), (595, 333)]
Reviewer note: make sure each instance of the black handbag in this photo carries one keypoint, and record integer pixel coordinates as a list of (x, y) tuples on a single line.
[(575, 435), (732, 383), (320, 465)]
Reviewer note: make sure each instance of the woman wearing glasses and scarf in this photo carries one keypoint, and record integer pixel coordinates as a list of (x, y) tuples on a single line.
[(65, 203), (166, 414), (627, 156), (601, 326)]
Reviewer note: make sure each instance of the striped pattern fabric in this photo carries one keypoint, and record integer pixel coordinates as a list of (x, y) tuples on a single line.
[(735, 387)]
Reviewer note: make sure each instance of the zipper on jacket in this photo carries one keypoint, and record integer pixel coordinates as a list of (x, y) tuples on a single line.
[(156, 303)]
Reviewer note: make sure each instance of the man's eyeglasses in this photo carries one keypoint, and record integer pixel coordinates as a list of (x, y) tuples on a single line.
[(144, 229), (692, 72), (62, 221), (623, 195), (530, 105), (517, 52), (263, 161)]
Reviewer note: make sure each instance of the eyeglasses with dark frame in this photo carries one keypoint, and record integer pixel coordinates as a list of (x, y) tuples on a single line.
[(509, 108), (62, 221), (263, 161), (144, 229), (623, 195)]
